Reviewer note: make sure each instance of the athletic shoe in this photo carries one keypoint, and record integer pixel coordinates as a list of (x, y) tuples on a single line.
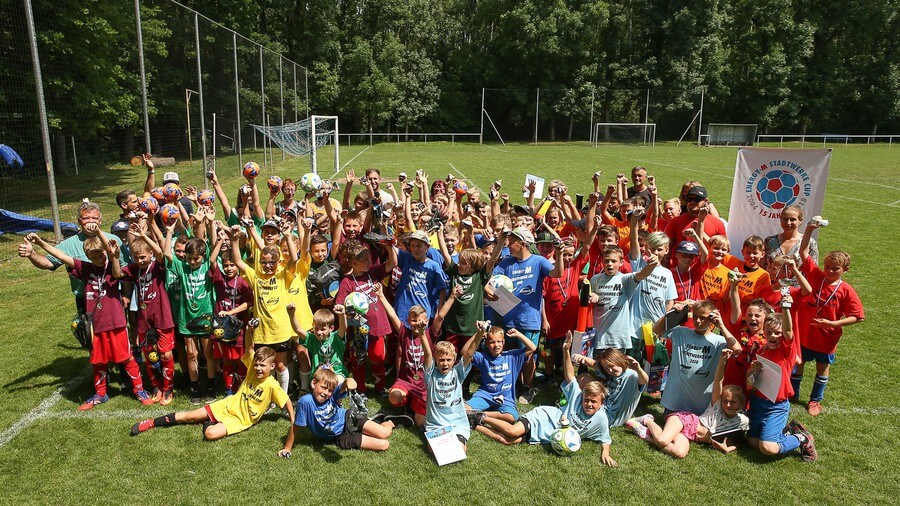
[(195, 397), (400, 420), (638, 429), (167, 398), (142, 426), (228, 392), (144, 397), (92, 401), (644, 419), (476, 418), (157, 395), (210, 396), (814, 408), (527, 397), (379, 417), (808, 446)]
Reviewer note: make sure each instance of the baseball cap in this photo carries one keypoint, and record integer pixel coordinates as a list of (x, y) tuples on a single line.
[(544, 237), (170, 177), (418, 235), (119, 226), (698, 191), (269, 223), (524, 210), (688, 248), (524, 234), (483, 240)]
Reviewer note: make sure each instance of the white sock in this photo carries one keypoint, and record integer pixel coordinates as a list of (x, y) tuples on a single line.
[(284, 379)]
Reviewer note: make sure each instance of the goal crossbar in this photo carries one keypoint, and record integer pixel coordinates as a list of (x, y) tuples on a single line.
[(647, 135)]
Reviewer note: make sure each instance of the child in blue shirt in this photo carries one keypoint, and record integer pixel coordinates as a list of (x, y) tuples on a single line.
[(422, 280), (624, 378), (321, 411), (584, 410), (499, 369), (611, 293)]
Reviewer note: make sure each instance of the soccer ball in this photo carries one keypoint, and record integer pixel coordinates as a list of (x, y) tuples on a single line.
[(777, 189), (310, 182), (206, 197), (149, 205), (251, 170), (274, 183), (169, 214), (171, 192), (460, 188), (565, 441), (498, 280), (153, 357), (159, 194), (357, 302)]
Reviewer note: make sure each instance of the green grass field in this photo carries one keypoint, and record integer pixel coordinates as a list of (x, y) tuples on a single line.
[(51, 453)]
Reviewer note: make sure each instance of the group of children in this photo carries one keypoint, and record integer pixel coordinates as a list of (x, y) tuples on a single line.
[(314, 295)]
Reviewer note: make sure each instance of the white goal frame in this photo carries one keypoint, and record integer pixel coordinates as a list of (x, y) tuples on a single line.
[(710, 141), (649, 132), (335, 136)]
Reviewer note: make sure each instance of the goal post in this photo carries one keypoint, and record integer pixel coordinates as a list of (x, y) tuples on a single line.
[(731, 134), (328, 133), (634, 133)]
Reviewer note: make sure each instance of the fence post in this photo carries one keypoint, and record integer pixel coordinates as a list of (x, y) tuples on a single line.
[(281, 93), (481, 130), (591, 133), (200, 89), (295, 93), (140, 43), (537, 110), (42, 112), (262, 94), (237, 101)]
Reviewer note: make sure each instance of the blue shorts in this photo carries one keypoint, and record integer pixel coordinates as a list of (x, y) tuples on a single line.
[(512, 343), (767, 418), (483, 401), (808, 355)]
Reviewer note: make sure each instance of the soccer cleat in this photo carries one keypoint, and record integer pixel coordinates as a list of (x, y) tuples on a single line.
[(814, 408), (92, 401), (638, 429), (644, 419), (400, 420), (527, 397), (476, 418), (210, 396), (808, 446), (142, 426), (157, 395), (144, 397), (167, 398), (195, 397), (379, 417)]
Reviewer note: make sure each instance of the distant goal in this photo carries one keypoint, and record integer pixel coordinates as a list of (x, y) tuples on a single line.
[(731, 134), (624, 133)]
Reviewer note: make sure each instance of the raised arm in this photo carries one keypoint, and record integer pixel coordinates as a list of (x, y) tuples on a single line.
[(427, 359), (254, 199), (652, 263), (529, 345), (151, 170), (442, 244), (167, 245), (720, 375), (568, 368), (388, 308), (348, 189), (220, 194), (26, 250), (234, 233), (33, 238), (112, 253), (730, 341), (811, 227), (438, 321), (468, 350)]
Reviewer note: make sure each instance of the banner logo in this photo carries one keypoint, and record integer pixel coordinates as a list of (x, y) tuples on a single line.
[(776, 185)]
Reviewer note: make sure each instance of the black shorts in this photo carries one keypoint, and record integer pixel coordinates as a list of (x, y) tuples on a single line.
[(351, 438), (527, 425), (282, 347)]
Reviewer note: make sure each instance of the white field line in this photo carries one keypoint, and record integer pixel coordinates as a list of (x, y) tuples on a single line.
[(867, 411), (894, 203), (98, 413), (465, 177), (865, 183), (37, 413), (653, 162), (495, 149), (350, 160)]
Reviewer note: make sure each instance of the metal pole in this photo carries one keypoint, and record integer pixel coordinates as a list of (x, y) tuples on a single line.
[(312, 143), (187, 112), (237, 102), (700, 123), (267, 142), (42, 112), (295, 93), (140, 43), (281, 92), (481, 131), (74, 155), (337, 147), (262, 94), (647, 117), (537, 108), (591, 134), (214, 138), (200, 83), (306, 86)]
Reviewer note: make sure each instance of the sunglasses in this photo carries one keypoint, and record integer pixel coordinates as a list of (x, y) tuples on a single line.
[(694, 198)]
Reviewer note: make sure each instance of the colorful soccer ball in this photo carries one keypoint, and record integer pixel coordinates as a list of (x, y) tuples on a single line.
[(357, 302), (171, 192), (777, 189), (159, 194), (153, 357), (251, 170), (565, 441), (274, 183), (460, 188), (149, 204), (169, 214), (498, 280), (310, 182), (206, 197)]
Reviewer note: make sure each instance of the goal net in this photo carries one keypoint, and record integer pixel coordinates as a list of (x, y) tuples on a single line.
[(310, 137), (730, 134), (625, 133)]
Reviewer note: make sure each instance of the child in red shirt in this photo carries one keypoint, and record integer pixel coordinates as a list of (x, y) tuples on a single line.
[(104, 304)]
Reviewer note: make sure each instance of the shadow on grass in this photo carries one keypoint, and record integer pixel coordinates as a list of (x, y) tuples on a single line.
[(56, 373)]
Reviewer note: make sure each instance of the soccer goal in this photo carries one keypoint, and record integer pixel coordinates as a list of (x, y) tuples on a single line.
[(731, 134), (630, 133), (307, 137)]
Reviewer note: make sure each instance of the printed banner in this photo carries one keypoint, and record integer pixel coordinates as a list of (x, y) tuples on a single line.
[(766, 180)]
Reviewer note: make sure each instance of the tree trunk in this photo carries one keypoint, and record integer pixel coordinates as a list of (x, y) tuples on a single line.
[(127, 143), (571, 127), (59, 152)]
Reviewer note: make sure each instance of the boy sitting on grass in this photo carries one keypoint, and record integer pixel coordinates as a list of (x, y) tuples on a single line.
[(583, 409), (238, 412), (321, 411)]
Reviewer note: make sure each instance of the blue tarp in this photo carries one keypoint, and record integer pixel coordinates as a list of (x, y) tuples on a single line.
[(15, 223)]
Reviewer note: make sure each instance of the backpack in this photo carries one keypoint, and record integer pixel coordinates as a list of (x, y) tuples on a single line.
[(322, 277)]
